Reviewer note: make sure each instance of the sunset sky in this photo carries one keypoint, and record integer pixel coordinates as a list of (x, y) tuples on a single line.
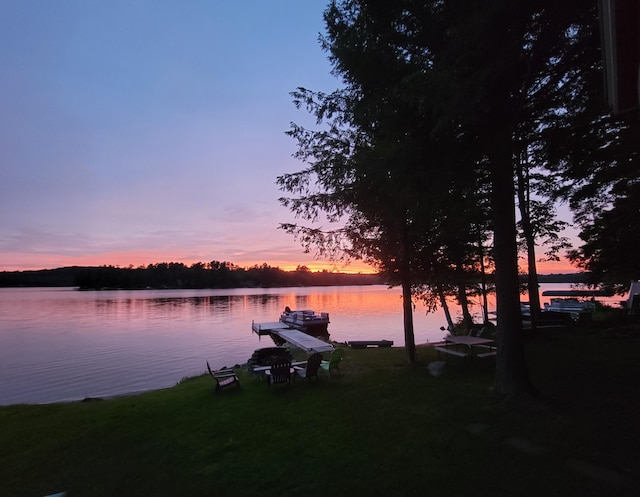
[(135, 132)]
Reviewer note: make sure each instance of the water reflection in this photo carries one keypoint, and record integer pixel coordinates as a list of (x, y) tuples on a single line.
[(61, 344)]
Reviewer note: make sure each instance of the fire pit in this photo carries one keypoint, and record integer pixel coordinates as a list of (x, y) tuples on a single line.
[(268, 356)]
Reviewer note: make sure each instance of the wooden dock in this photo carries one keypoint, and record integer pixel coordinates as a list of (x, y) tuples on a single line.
[(303, 341), (294, 337), (363, 344), (268, 328)]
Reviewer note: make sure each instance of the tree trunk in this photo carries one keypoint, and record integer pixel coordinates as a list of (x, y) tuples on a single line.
[(407, 297), (512, 373), (445, 308), (407, 307), (529, 236), (467, 320), (533, 287), (483, 282)]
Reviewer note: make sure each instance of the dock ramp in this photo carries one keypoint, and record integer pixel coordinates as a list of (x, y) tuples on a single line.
[(294, 337), (303, 341)]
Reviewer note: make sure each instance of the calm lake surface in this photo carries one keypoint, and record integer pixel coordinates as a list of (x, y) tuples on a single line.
[(60, 344)]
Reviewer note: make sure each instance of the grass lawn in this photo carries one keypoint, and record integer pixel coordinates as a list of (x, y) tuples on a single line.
[(382, 428)]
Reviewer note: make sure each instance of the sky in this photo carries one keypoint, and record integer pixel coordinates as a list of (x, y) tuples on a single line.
[(135, 132)]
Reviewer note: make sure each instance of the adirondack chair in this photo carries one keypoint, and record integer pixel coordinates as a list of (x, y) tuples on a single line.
[(311, 368), (279, 372), (333, 364), (224, 378)]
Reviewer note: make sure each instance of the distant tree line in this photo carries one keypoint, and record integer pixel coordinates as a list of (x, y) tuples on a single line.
[(213, 274), (203, 275), (578, 278)]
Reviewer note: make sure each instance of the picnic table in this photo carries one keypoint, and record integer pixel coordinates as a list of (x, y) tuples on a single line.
[(466, 345)]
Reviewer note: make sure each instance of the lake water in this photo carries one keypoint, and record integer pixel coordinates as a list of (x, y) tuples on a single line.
[(60, 344)]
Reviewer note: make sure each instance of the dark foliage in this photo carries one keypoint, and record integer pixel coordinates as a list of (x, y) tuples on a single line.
[(177, 275)]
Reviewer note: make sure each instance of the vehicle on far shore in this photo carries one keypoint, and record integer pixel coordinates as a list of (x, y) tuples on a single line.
[(572, 306)]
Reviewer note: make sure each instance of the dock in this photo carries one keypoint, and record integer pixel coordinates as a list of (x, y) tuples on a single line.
[(267, 328), (294, 337), (303, 341), (576, 293), (363, 344)]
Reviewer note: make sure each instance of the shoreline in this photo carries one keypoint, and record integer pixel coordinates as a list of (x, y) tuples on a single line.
[(134, 393)]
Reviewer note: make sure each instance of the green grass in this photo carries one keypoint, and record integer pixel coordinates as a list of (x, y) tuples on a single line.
[(383, 428)]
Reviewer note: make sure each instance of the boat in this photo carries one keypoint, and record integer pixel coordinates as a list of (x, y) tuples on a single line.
[(306, 330), (571, 306), (310, 322)]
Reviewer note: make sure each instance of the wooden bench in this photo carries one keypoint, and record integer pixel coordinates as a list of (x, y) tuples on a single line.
[(447, 350), (487, 354), (362, 344)]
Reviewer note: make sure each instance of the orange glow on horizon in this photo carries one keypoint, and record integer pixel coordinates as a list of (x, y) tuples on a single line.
[(34, 262), (28, 262), (354, 267), (562, 266)]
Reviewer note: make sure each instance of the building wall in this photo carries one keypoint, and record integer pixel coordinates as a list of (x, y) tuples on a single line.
[(620, 23)]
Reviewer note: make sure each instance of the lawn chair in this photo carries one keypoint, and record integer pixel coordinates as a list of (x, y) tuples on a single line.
[(279, 372), (224, 378), (333, 364), (311, 369)]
